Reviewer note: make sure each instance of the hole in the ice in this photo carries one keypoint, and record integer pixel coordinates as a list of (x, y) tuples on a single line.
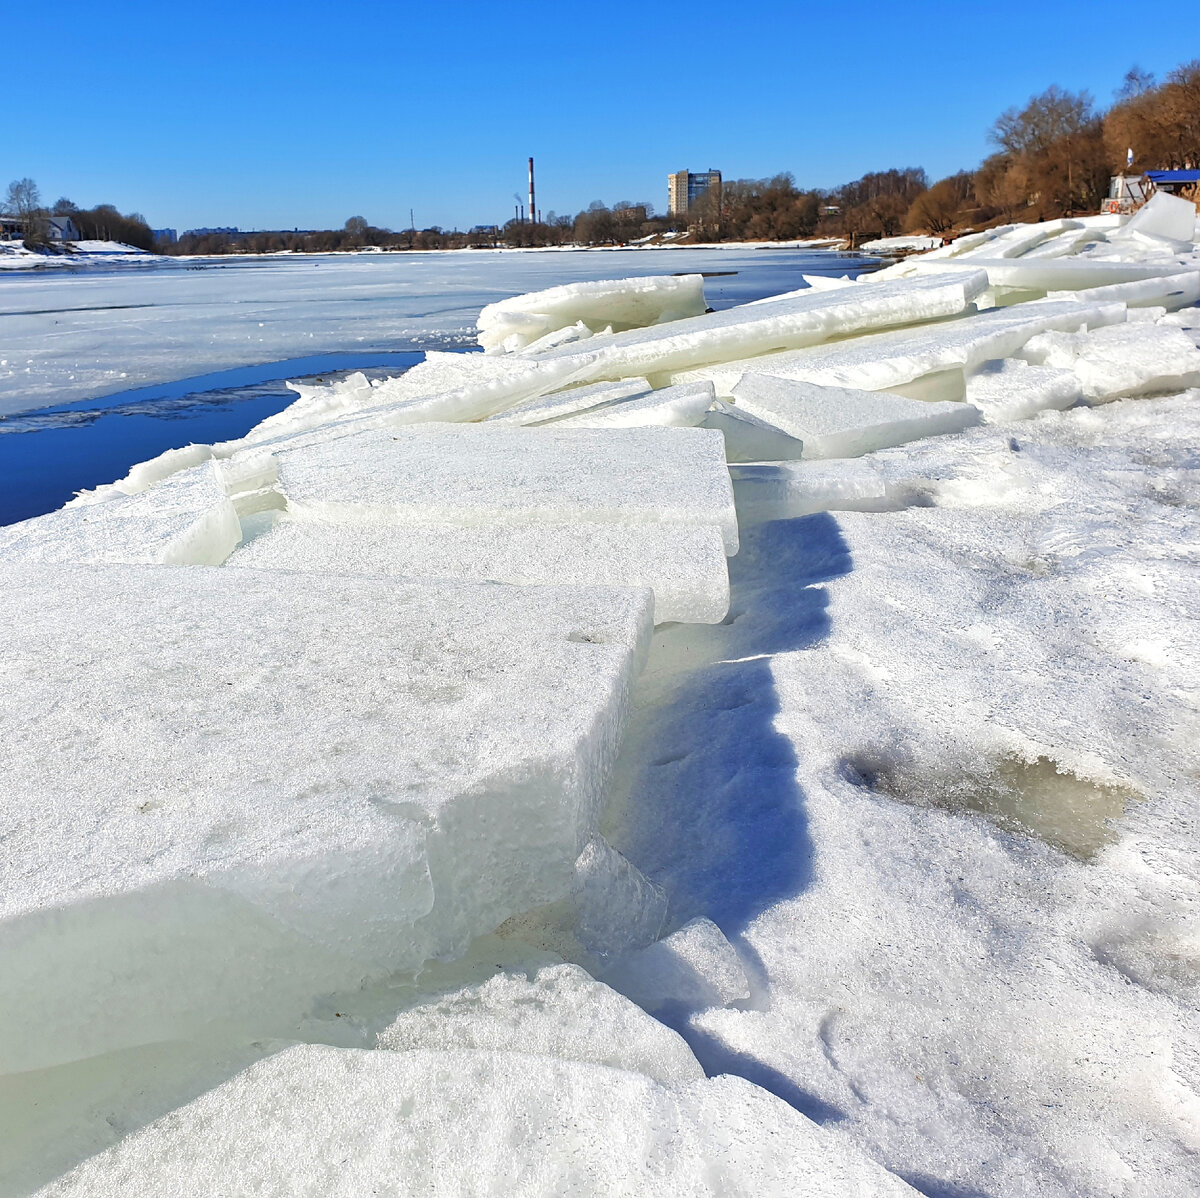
[(1038, 797)]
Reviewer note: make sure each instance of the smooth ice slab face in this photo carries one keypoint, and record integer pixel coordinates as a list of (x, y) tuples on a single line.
[(1014, 390), (1163, 215), (1124, 360), (683, 406), (318, 1122), (748, 439), (561, 1011), (185, 520), (568, 403), (684, 565), (805, 318), (618, 304), (374, 773), (902, 357), (464, 474), (1172, 291), (837, 422)]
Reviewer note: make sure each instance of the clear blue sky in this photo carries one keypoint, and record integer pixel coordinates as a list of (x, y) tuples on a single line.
[(270, 115)]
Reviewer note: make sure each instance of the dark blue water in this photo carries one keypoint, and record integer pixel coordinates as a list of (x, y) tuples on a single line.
[(46, 456)]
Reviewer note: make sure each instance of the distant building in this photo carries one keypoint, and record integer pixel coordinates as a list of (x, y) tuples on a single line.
[(685, 188), (58, 228), (167, 235), (234, 232)]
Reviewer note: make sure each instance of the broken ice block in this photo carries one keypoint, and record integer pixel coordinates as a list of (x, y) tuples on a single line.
[(684, 565), (560, 1011), (695, 967), (185, 520), (932, 358), (227, 791), (567, 403), (512, 324), (1163, 215), (784, 490), (1014, 390), (748, 439), (789, 322), (1122, 360), (683, 406), (466, 473), (838, 422)]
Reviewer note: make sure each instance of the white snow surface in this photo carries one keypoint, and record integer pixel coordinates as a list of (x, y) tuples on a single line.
[(334, 875)]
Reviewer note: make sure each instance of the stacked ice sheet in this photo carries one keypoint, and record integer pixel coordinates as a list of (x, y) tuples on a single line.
[(381, 772)]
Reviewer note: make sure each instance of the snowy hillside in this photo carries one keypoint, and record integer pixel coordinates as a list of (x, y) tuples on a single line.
[(670, 753), (14, 255)]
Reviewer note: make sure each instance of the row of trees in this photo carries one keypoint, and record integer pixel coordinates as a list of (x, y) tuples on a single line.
[(23, 204), (1053, 157)]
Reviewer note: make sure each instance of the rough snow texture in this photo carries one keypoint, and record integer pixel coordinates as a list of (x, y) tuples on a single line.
[(337, 1122), (176, 811), (684, 565), (838, 422)]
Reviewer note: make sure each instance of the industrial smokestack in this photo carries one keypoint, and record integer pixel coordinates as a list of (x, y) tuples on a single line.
[(532, 206)]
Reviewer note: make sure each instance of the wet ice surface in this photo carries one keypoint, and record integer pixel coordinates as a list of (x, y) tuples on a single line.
[(906, 846)]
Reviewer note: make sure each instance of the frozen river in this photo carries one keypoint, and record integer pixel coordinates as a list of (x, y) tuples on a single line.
[(104, 368)]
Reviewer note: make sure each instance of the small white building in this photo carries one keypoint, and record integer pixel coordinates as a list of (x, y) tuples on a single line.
[(63, 228)]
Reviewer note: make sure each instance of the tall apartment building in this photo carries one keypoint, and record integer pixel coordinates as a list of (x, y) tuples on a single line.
[(685, 188)]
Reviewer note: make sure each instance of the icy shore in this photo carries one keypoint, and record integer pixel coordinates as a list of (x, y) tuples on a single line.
[(751, 752)]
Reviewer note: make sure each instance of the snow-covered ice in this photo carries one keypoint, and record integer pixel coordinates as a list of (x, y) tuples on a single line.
[(684, 565), (462, 473), (401, 852), (178, 812)]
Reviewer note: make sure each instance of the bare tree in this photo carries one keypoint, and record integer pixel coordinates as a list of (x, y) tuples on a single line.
[(24, 203)]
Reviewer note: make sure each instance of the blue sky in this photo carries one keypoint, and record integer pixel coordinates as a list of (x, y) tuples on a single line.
[(269, 115)]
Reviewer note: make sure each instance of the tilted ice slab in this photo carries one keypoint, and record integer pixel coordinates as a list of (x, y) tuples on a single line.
[(378, 773), (1170, 291), (684, 565), (515, 323), (1163, 215), (933, 357), (1129, 359), (795, 320), (748, 439), (185, 520), (446, 386), (326, 1122), (786, 490), (1013, 390), (841, 422), (468, 473), (1031, 276), (683, 406), (568, 403)]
